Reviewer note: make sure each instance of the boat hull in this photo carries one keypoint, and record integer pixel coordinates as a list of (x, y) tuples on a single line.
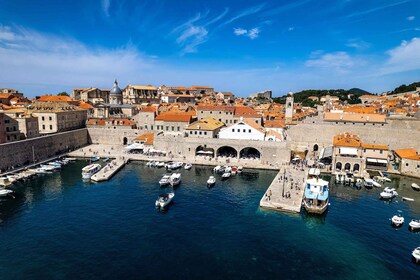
[(318, 210)]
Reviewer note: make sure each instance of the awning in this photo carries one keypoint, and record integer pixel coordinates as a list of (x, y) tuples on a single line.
[(372, 160), (205, 152), (382, 161), (348, 151), (326, 152)]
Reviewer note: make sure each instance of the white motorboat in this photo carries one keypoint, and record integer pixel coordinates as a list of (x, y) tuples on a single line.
[(225, 175), (71, 159), (164, 180), (397, 220), (388, 193), (160, 164), (359, 183), (218, 169), (93, 159), (416, 254), (368, 183), (414, 225), (407, 198), (415, 187), (149, 163), (55, 164), (48, 167), (175, 179), (41, 170), (5, 192), (376, 184), (233, 170), (349, 179), (89, 170), (240, 169), (227, 169), (211, 181), (164, 199), (188, 166)]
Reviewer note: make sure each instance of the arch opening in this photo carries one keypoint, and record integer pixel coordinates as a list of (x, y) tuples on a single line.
[(227, 151), (249, 153)]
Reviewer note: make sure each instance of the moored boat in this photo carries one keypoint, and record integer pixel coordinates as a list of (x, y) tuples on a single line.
[(225, 175), (316, 196), (218, 169), (414, 225), (164, 199), (164, 180), (175, 179), (368, 183), (240, 169), (5, 192), (93, 159), (397, 220), (106, 159), (388, 193), (211, 181), (359, 183), (233, 170), (415, 187), (89, 170), (188, 166), (416, 254)]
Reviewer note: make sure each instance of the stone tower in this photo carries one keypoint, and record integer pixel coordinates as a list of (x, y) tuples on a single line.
[(289, 108)]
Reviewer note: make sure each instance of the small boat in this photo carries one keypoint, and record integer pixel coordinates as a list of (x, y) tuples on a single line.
[(368, 183), (388, 193), (93, 159), (415, 187), (225, 175), (188, 166), (41, 170), (149, 163), (376, 184), (414, 225), (211, 181), (416, 254), (397, 220), (233, 170), (407, 198), (5, 192), (106, 159), (175, 179), (55, 164), (164, 199), (70, 159), (240, 169), (164, 180), (218, 169), (88, 171), (160, 164), (48, 167), (349, 179)]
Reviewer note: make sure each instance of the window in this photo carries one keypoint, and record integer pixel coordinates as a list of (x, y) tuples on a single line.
[(233, 130), (406, 164), (211, 112), (178, 128), (50, 127), (243, 130), (145, 126), (381, 151), (220, 120), (43, 118), (50, 118), (173, 128), (43, 126), (151, 127), (195, 132), (199, 133), (167, 128), (8, 137), (249, 130), (191, 132), (205, 132)]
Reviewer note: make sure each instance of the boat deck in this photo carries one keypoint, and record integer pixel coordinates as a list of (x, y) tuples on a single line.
[(108, 170), (286, 190)]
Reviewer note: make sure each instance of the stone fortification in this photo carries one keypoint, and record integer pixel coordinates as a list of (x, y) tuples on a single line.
[(41, 148), (397, 134)]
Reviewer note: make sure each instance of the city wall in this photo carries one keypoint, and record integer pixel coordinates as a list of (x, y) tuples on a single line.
[(397, 134), (37, 149)]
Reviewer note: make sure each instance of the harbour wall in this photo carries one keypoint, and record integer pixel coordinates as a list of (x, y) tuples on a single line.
[(37, 149), (397, 134)]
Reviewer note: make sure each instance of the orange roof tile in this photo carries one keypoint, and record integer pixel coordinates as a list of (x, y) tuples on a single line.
[(54, 98), (406, 153), (149, 138), (274, 124), (115, 122), (167, 117), (375, 146), (347, 140), (246, 112)]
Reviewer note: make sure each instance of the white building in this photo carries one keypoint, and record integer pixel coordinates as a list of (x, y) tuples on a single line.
[(243, 130)]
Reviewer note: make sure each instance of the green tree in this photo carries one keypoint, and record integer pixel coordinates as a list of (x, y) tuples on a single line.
[(63, 93)]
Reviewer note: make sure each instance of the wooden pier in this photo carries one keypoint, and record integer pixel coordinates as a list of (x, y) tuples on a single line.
[(285, 193), (108, 170)]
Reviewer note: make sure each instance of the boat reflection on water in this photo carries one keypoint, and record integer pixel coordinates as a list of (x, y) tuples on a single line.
[(314, 220), (250, 176)]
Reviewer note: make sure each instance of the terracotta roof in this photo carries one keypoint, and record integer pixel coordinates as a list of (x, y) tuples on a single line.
[(54, 98), (253, 124), (407, 153), (369, 96), (206, 124), (153, 109), (114, 122), (359, 109), (347, 140), (273, 133), (201, 87), (274, 124), (167, 117), (354, 117), (246, 112), (375, 146), (5, 95), (203, 107), (85, 105), (149, 138), (143, 87)]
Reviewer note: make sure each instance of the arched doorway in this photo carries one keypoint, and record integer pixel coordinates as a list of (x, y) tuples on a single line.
[(338, 166), (356, 168), (250, 153), (227, 151), (204, 151), (316, 147), (125, 141), (347, 167)]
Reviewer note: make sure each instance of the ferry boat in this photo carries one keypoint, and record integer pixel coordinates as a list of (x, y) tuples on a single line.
[(89, 170), (316, 196)]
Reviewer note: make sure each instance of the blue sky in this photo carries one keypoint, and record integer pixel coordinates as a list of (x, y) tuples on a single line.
[(240, 46)]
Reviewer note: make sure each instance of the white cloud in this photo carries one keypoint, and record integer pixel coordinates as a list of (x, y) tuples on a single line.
[(251, 33), (340, 62), (358, 44), (105, 6), (244, 13), (191, 37), (411, 18), (405, 57), (291, 28)]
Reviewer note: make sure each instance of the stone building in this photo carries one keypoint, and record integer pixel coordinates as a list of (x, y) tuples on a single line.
[(115, 95), (140, 94), (228, 114), (408, 161), (2, 129), (27, 123), (289, 108), (145, 119), (348, 154), (245, 130), (376, 156), (57, 116), (119, 123), (172, 123), (206, 128), (91, 95)]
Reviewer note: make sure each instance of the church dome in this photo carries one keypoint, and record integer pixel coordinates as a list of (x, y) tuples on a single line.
[(115, 90)]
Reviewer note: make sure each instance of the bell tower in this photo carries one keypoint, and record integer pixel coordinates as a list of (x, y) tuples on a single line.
[(289, 108)]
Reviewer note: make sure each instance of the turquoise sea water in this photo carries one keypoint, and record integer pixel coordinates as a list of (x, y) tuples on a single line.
[(61, 228)]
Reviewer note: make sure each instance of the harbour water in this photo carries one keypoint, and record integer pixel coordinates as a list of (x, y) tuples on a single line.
[(59, 227)]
